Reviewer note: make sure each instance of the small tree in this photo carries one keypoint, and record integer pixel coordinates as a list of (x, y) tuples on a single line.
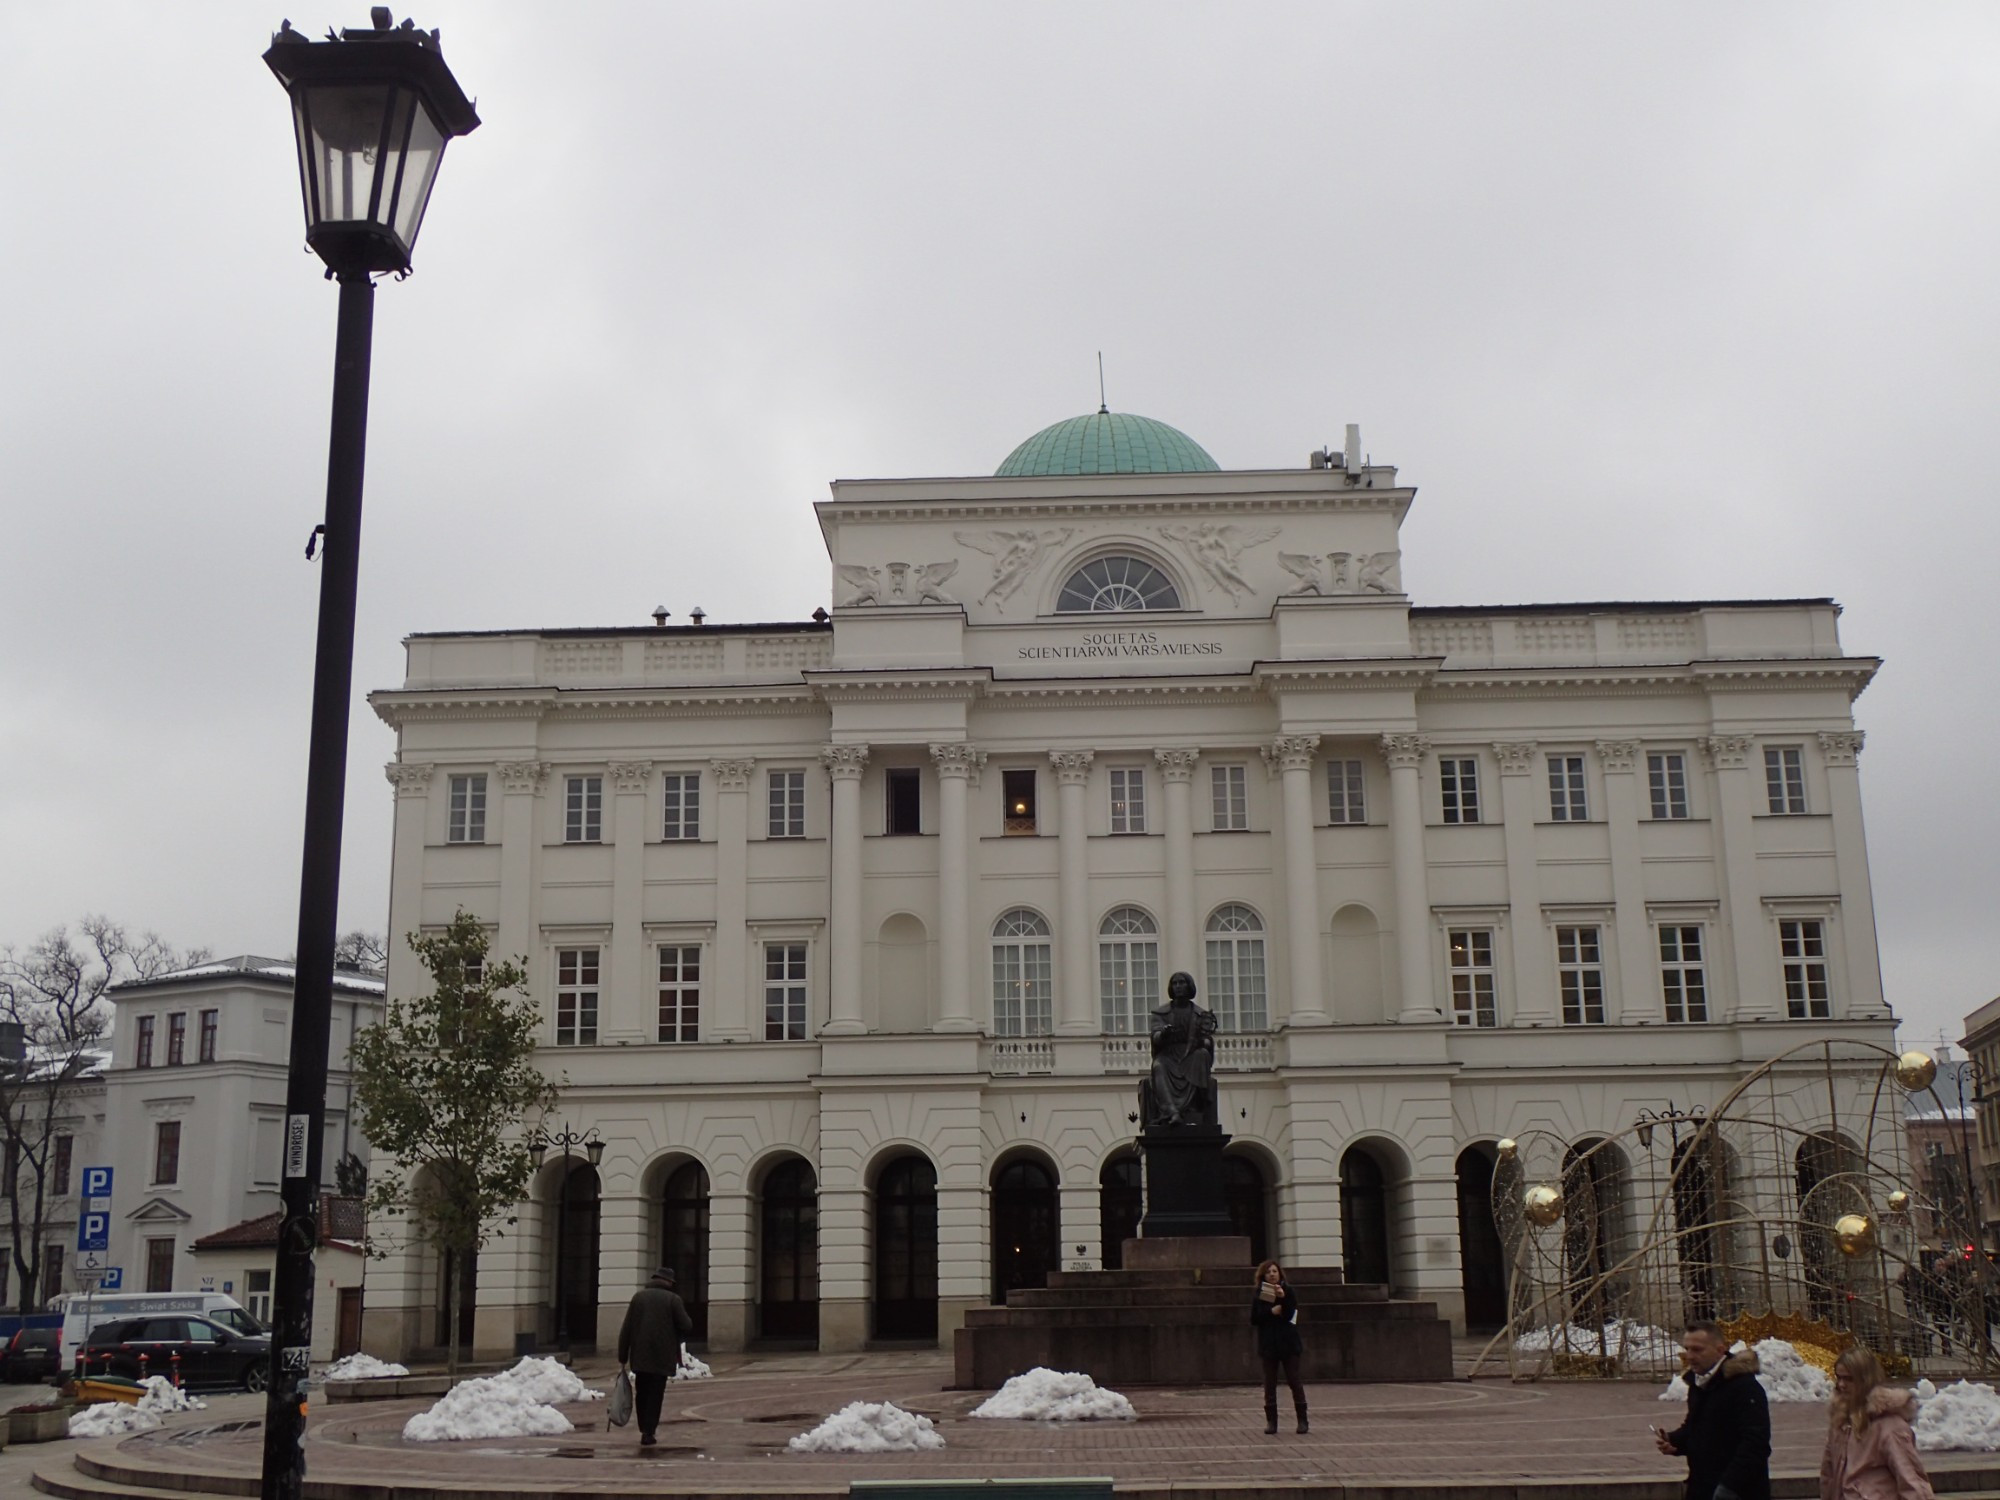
[(443, 1083)]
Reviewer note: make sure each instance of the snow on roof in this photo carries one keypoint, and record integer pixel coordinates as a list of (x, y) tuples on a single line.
[(251, 966)]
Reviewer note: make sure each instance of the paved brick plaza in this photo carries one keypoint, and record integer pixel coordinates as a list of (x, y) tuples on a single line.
[(728, 1435)]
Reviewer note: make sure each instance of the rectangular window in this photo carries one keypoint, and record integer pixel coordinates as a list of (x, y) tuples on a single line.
[(177, 1037), (1458, 785), (10, 1174), (1344, 802), (52, 1271), (1018, 804), (142, 1056), (1580, 974), (903, 793), (466, 821), (159, 1265), (1566, 799), (680, 994), (167, 1152), (1785, 778), (211, 1023), (683, 804), (59, 1165), (1128, 799), (1683, 978), (784, 992), (576, 997), (1802, 946), (1228, 788), (1667, 783), (1472, 976), (787, 793), (583, 810), (257, 1295)]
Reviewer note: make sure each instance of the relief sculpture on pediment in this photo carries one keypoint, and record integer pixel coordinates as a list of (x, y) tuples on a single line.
[(1342, 572), (906, 583), (1015, 555)]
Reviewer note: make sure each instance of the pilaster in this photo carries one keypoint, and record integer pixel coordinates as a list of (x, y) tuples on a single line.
[(958, 767), (1638, 996), (1533, 973), (1840, 750), (731, 1008), (844, 765), (412, 782), (521, 783), (1183, 935), (1728, 757), (1075, 1005), (622, 1015), (1290, 757), (1405, 754)]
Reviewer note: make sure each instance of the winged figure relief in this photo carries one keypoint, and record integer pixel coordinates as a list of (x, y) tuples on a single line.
[(1219, 549), (1014, 554), (1378, 573), (922, 584), (1304, 566), (864, 584)]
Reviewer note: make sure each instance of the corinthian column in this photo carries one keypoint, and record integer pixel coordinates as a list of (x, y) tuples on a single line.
[(1760, 993), (406, 861), (520, 837), (957, 768), (1073, 998), (1405, 753), (1183, 945), (1291, 756), (625, 1018), (844, 763), (1841, 749), (732, 1008)]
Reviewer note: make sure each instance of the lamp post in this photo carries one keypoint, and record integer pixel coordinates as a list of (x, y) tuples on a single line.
[(372, 111), (538, 1151)]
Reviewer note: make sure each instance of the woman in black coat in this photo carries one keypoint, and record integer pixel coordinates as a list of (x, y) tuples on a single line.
[(1274, 1313)]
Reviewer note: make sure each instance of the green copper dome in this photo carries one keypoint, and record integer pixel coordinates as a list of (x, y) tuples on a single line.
[(1107, 442)]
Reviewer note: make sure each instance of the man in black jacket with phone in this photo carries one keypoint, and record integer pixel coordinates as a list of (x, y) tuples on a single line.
[(1726, 1438)]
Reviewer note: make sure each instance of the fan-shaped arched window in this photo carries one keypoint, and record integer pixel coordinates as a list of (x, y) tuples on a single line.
[(1236, 969), (1128, 970), (1116, 583), (1023, 975)]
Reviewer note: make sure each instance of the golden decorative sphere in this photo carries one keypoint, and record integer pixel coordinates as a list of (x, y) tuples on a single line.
[(1506, 1148), (1854, 1233), (1542, 1204), (1915, 1070), (1899, 1202)]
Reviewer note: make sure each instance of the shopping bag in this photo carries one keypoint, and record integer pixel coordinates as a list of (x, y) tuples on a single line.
[(618, 1410)]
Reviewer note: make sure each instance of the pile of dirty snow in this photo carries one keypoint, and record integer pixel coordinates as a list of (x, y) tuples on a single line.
[(1964, 1416), (162, 1395), (1781, 1370), (870, 1427), (1047, 1395), (111, 1419), (1626, 1340), (362, 1367), (691, 1368), (519, 1403)]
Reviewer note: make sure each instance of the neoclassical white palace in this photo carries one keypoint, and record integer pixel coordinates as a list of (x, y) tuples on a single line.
[(846, 930)]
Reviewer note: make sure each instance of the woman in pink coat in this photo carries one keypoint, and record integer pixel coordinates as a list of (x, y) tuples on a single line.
[(1871, 1454)]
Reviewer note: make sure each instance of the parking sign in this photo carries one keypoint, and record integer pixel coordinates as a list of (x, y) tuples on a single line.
[(97, 1182), (93, 1231), (112, 1280)]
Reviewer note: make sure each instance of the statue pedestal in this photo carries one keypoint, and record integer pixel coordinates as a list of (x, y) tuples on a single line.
[(1184, 1182)]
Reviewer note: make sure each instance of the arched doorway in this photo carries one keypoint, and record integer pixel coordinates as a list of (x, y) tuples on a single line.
[(1121, 1204), (1593, 1228), (1027, 1226), (1364, 1218), (1826, 1167), (576, 1259), (788, 1281), (1482, 1267), (1248, 1203), (1697, 1240), (684, 1241), (452, 1267), (906, 1250)]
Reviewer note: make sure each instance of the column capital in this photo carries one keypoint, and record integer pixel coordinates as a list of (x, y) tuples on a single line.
[(1290, 752), (1516, 757), (1841, 747), (1072, 766), (1177, 765), (958, 761), (630, 775), (1405, 752), (1727, 752), (523, 775), (732, 775), (844, 762), (1618, 755), (410, 778)]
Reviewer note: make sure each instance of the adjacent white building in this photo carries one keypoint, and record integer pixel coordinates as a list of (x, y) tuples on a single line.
[(845, 930)]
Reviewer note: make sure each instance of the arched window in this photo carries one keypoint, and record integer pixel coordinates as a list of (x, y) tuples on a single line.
[(684, 1241), (1236, 969), (906, 1250), (1593, 1226), (1121, 1204), (1128, 970), (1023, 975), (1364, 1219), (1116, 583), (788, 1281), (1027, 1226)]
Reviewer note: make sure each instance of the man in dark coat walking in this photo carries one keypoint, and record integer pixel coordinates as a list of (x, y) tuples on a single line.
[(1726, 1438), (650, 1343)]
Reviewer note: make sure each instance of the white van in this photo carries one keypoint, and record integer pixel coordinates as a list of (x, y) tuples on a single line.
[(82, 1313)]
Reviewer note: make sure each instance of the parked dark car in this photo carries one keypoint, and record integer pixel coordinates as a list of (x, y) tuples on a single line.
[(210, 1356), (31, 1354)]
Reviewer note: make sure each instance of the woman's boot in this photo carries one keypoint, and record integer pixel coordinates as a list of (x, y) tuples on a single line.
[(1270, 1419), (1302, 1415)]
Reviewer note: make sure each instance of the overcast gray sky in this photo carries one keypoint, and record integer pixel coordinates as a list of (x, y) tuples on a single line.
[(1671, 301)]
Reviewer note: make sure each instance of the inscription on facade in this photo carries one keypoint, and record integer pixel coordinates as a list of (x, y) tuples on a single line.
[(1113, 645)]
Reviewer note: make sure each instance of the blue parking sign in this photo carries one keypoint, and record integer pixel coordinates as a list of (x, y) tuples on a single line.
[(93, 1231), (97, 1182), (112, 1280)]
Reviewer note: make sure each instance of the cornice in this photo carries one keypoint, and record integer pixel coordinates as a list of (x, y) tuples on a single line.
[(1413, 673), (1854, 673), (398, 706), (954, 684), (1057, 692)]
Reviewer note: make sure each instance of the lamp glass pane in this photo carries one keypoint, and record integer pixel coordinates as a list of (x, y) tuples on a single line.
[(420, 164), (345, 122)]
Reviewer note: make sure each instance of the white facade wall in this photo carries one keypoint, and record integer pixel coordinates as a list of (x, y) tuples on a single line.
[(900, 1053)]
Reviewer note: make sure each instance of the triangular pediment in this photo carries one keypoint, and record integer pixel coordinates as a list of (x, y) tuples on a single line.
[(158, 1211)]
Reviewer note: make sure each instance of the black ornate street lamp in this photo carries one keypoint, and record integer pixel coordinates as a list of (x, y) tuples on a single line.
[(372, 111), (538, 1151)]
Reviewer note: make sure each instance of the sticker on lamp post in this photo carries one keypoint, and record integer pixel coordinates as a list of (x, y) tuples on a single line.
[(296, 1130)]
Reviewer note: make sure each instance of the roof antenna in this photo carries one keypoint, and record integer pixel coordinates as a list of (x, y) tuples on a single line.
[(1103, 407)]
